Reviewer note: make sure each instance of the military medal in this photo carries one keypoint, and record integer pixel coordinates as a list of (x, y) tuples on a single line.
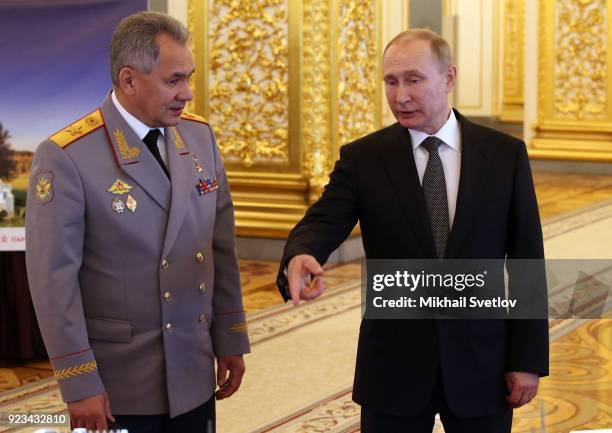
[(206, 185), (118, 206), (131, 203), (119, 187), (198, 166)]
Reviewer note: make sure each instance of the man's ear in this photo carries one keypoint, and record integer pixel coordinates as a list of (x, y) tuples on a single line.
[(451, 77), (127, 80)]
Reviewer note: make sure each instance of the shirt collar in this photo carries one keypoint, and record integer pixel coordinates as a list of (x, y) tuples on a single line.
[(449, 134), (140, 128)]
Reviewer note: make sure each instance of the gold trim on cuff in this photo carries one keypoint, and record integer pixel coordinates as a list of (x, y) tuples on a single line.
[(77, 370), (240, 327)]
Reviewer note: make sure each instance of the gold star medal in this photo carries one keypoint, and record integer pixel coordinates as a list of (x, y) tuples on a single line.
[(198, 166), (131, 203), (120, 187)]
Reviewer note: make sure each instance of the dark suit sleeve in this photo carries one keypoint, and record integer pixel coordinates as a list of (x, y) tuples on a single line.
[(328, 221), (527, 337)]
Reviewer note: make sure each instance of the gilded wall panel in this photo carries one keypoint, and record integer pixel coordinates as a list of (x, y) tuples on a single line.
[(282, 83), (514, 45), (191, 26), (574, 115), (358, 68), (316, 110), (249, 79), (580, 61)]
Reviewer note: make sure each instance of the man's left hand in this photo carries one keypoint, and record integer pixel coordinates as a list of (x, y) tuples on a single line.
[(522, 388), (228, 385)]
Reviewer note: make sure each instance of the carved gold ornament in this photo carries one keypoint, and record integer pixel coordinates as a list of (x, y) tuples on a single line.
[(249, 75), (126, 151), (316, 137), (358, 63), (580, 68), (514, 18)]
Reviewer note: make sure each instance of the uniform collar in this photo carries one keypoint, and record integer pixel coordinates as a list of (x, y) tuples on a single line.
[(140, 128)]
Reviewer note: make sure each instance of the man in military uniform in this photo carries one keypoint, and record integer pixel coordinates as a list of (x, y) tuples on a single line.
[(131, 249)]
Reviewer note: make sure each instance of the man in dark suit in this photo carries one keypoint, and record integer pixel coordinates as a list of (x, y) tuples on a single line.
[(433, 185)]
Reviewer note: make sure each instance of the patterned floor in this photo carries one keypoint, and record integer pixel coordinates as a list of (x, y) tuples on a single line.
[(578, 393)]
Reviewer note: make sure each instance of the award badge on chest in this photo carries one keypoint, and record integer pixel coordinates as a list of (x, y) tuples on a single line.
[(205, 184)]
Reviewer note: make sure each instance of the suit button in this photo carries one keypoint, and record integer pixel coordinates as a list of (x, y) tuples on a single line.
[(168, 296), (202, 319), (199, 257), (169, 327), (164, 264), (202, 287)]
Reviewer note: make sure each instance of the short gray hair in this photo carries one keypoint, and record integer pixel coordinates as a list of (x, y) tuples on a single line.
[(134, 45), (440, 48)]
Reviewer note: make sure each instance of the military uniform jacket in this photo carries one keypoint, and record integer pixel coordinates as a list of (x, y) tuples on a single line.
[(134, 277)]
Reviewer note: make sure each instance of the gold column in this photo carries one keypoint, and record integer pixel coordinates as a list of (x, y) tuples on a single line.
[(317, 137), (513, 60), (283, 84), (574, 113)]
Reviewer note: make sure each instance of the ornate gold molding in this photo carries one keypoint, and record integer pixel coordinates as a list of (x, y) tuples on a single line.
[(249, 79), (580, 73), (513, 60), (358, 54), (316, 92), (269, 76), (191, 26), (575, 118)]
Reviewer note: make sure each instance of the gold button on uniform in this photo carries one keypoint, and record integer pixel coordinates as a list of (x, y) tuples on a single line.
[(202, 287), (168, 296), (202, 319), (169, 327), (199, 257), (164, 264)]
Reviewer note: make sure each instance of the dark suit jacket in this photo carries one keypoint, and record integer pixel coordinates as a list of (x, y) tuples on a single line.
[(375, 182)]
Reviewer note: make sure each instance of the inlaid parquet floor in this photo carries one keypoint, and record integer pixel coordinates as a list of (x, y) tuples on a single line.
[(579, 392)]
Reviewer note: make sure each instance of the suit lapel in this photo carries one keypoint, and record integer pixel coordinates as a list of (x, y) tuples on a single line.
[(133, 157), (183, 183), (398, 158), (472, 179)]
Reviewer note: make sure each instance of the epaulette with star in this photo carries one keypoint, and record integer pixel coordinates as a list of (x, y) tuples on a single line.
[(196, 118), (79, 129)]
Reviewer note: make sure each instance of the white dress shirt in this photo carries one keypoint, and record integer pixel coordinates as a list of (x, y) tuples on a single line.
[(450, 154), (141, 129)]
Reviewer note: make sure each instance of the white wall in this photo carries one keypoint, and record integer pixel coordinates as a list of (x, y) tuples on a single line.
[(476, 51), (178, 9)]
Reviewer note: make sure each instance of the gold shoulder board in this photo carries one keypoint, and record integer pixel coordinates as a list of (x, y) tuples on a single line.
[(78, 129), (194, 117)]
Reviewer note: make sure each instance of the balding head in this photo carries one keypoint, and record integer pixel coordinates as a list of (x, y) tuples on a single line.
[(440, 49)]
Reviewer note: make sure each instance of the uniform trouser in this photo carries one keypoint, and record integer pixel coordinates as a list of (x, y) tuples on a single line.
[(198, 420), (373, 421)]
